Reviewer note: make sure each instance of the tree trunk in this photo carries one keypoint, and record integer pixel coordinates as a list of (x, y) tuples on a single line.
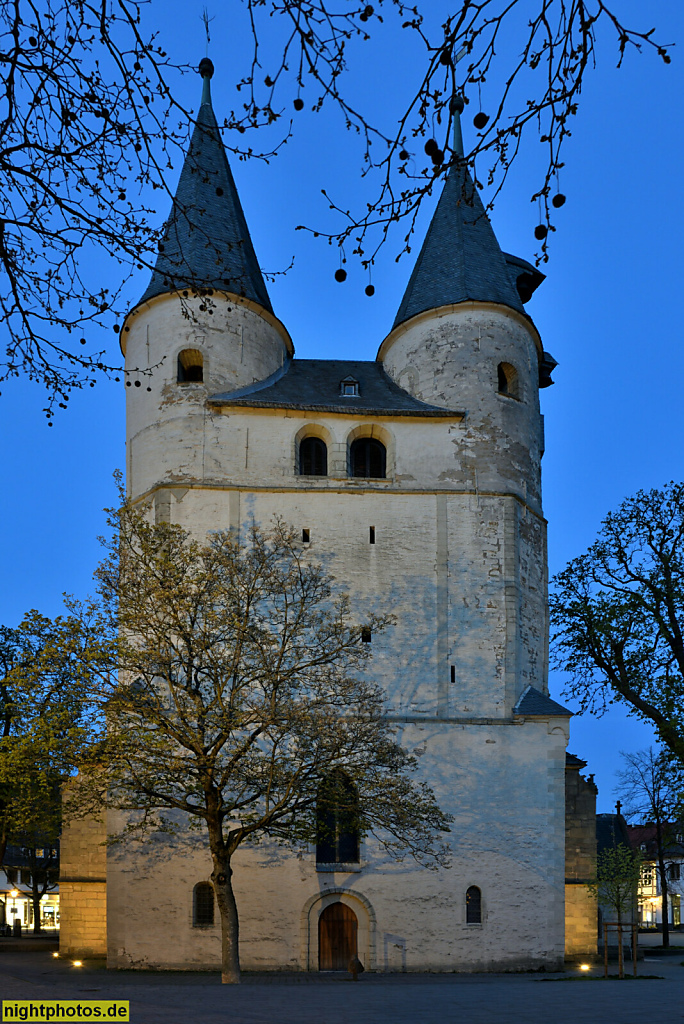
[(225, 897), (621, 972), (663, 884), (35, 900)]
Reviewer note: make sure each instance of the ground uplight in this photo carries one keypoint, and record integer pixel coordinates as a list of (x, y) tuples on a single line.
[(585, 967), (77, 963), (55, 955)]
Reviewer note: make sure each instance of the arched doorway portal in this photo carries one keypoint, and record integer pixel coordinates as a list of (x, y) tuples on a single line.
[(337, 937)]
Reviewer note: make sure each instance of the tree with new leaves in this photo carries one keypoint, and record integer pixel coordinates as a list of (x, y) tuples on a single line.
[(91, 130), (242, 689), (651, 784), (617, 615), (616, 886), (46, 730)]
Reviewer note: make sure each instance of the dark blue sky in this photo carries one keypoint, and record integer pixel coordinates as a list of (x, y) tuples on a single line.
[(609, 312)]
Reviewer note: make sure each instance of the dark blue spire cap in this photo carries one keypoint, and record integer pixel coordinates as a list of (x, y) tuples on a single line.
[(461, 260), (206, 243)]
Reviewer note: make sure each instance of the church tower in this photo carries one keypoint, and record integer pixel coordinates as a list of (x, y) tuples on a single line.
[(416, 478), (205, 321)]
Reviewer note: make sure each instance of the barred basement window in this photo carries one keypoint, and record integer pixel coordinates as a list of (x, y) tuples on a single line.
[(190, 366), (203, 905), (473, 905)]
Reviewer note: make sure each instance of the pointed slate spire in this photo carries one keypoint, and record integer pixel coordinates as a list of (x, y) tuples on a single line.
[(461, 259), (206, 243)]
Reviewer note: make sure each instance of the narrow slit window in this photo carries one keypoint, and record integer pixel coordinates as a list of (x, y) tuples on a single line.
[(453, 673), (371, 535), (366, 635), (306, 536)]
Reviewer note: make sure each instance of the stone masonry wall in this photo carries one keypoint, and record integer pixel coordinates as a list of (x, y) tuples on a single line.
[(83, 887), (580, 864)]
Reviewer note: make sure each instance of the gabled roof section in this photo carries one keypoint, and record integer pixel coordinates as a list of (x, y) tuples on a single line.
[(206, 242), (314, 385), (535, 704)]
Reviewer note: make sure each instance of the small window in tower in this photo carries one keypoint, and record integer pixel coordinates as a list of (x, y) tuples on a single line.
[(306, 536), (349, 388), (507, 376), (453, 673), (371, 535), (473, 905), (203, 905), (366, 635), (190, 366), (313, 457)]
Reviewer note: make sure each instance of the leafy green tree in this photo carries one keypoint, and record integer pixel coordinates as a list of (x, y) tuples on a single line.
[(36, 821), (616, 886), (617, 615), (47, 730), (241, 689)]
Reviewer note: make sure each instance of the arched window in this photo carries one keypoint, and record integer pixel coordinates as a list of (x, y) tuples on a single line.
[(368, 458), (203, 905), (507, 380), (337, 825), (473, 905), (190, 366), (313, 457)]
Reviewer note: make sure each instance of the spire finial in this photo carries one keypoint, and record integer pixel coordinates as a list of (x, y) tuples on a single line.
[(456, 106), (206, 70)]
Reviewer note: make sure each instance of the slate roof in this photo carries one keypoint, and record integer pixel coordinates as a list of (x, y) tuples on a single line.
[(611, 832), (315, 384), (206, 243), (461, 259), (534, 704), (646, 834)]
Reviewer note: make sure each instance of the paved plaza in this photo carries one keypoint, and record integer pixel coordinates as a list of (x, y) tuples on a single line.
[(191, 998)]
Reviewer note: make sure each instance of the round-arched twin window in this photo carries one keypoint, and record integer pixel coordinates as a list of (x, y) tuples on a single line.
[(368, 458), (313, 457)]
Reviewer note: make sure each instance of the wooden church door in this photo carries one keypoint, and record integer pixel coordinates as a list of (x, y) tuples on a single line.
[(337, 928)]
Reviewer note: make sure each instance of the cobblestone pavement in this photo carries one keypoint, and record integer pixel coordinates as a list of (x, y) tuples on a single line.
[(193, 998)]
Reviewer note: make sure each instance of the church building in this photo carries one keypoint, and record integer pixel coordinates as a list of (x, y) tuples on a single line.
[(417, 478)]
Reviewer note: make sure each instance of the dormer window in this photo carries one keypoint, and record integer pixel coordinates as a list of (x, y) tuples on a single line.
[(349, 388)]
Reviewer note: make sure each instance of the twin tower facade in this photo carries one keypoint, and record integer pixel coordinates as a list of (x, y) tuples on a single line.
[(417, 477)]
